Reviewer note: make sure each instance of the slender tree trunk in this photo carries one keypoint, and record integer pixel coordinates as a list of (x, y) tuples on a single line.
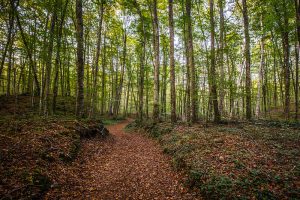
[(212, 78), (221, 57), (57, 59), (120, 87), (260, 73), (28, 51), (297, 6), (164, 83), (96, 68), (80, 64), (172, 63), (275, 80), (9, 67), (286, 55), (248, 60), (49, 58), (156, 62), (103, 76), (193, 95), (9, 35)]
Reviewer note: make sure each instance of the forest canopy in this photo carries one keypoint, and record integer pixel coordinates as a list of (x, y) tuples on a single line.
[(184, 60)]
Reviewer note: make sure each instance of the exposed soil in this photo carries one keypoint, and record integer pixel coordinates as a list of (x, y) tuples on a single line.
[(124, 166)]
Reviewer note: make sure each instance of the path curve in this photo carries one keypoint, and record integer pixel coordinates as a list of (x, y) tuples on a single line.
[(128, 166)]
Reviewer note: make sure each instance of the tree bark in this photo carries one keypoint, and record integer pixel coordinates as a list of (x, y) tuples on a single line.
[(172, 63), (221, 58), (191, 66), (248, 60), (96, 68), (260, 73), (297, 7), (9, 35), (57, 59), (156, 62), (28, 51), (214, 94), (80, 64)]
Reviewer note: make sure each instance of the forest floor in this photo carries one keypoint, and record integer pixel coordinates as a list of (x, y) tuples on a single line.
[(46, 158), (235, 159), (125, 166)]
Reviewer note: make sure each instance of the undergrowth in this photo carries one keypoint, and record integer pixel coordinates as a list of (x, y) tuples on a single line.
[(245, 160)]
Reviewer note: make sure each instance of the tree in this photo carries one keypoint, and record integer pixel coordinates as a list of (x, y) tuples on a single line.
[(96, 65), (297, 8), (190, 59), (80, 64), (247, 59), (221, 55), (156, 61), (172, 63), (214, 95)]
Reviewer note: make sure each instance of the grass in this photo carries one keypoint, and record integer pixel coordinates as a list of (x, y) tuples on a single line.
[(244, 160)]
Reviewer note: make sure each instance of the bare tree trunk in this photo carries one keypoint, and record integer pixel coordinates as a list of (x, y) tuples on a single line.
[(28, 51), (164, 82), (57, 59), (212, 78), (172, 63), (9, 67), (156, 62), (186, 105), (120, 87), (248, 60), (103, 77), (190, 53), (80, 64), (9, 35), (96, 68), (286, 55), (297, 6), (221, 57), (261, 72), (49, 58)]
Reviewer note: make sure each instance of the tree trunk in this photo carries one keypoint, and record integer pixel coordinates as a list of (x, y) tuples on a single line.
[(103, 77), (190, 53), (156, 62), (9, 35), (260, 73), (297, 6), (120, 87), (28, 51), (248, 60), (212, 78), (57, 59), (80, 64), (286, 55), (221, 57), (96, 68), (172, 63), (49, 58)]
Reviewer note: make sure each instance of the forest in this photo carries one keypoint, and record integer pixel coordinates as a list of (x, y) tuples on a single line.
[(186, 99)]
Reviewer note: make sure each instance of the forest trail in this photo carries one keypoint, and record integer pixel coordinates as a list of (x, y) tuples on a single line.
[(127, 166)]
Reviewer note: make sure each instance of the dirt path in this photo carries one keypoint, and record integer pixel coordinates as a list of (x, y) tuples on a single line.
[(127, 166)]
